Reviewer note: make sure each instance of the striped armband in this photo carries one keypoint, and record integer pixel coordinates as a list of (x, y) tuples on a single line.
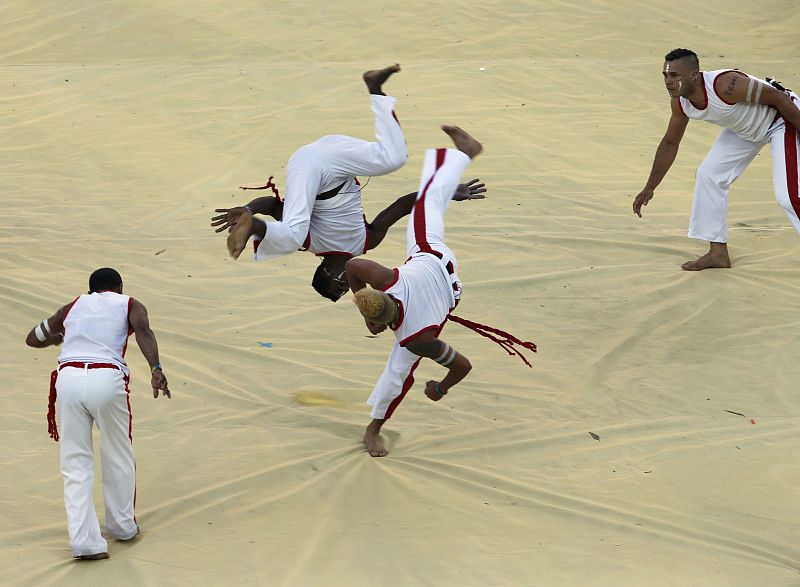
[(447, 357), (750, 98), (42, 331)]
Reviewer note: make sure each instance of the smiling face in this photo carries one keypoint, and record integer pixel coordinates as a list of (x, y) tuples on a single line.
[(680, 77)]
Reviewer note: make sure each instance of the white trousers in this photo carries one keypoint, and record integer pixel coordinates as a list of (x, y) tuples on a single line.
[(438, 182), (728, 158), (86, 396), (326, 164)]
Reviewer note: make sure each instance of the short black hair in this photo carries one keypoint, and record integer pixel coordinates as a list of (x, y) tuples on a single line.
[(104, 279), (676, 54), (322, 282)]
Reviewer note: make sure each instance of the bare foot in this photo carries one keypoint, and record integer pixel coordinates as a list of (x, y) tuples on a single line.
[(375, 78), (716, 257), (373, 440), (708, 261), (463, 141), (240, 234)]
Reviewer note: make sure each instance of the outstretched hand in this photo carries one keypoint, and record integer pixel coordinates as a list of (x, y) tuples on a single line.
[(472, 190), (228, 217), (641, 200)]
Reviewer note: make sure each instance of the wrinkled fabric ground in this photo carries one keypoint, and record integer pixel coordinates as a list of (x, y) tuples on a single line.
[(654, 442)]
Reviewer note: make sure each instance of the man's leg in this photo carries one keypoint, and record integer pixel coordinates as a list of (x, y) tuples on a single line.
[(728, 157), (441, 173), (389, 152), (77, 464), (110, 406), (392, 386), (785, 146)]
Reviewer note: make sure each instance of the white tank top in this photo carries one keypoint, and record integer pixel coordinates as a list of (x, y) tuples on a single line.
[(425, 292), (750, 121), (96, 329)]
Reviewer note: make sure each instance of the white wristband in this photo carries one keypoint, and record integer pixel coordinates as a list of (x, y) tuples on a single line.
[(40, 336)]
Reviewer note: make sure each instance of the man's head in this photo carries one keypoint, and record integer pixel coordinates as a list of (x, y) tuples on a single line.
[(330, 279), (681, 72), (105, 279), (376, 306)]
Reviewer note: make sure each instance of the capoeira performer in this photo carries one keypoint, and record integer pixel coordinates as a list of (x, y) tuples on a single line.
[(415, 300), (753, 112), (322, 209), (354, 235), (91, 384)]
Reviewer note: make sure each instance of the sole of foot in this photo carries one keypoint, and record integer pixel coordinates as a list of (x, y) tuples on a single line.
[(238, 237), (463, 141), (375, 78)]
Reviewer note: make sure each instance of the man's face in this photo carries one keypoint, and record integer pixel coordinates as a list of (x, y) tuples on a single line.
[(338, 285), (678, 78)]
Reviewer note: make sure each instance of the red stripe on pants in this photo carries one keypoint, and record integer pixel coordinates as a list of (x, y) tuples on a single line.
[(407, 384), (419, 207), (790, 151)]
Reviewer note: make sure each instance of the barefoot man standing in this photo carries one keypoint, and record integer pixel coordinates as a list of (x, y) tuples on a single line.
[(752, 112), (322, 209), (414, 300), (91, 385)]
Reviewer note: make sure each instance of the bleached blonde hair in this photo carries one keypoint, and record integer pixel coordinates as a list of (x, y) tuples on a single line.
[(375, 305)]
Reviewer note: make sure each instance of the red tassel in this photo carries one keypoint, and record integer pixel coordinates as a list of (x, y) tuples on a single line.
[(52, 428), (507, 342), (268, 185)]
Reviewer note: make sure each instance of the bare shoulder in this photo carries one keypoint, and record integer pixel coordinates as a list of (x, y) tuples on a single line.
[(731, 85)]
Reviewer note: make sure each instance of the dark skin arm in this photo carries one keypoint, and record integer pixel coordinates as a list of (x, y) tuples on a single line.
[(402, 206), (665, 156), (427, 345), (146, 340), (56, 322), (267, 205)]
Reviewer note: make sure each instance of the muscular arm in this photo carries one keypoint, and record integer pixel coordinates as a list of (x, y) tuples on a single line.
[(53, 330), (736, 87), (146, 339), (458, 366), (363, 272), (402, 206), (377, 229), (665, 155)]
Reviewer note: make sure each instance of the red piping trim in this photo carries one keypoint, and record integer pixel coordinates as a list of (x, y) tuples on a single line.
[(396, 277), (790, 152)]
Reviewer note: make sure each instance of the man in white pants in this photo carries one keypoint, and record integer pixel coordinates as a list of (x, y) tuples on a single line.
[(91, 385), (414, 300), (322, 210), (753, 112)]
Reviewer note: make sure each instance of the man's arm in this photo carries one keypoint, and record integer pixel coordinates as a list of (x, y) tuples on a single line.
[(268, 205), (665, 156), (50, 331), (402, 206), (427, 345), (146, 340), (363, 272), (736, 87)]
